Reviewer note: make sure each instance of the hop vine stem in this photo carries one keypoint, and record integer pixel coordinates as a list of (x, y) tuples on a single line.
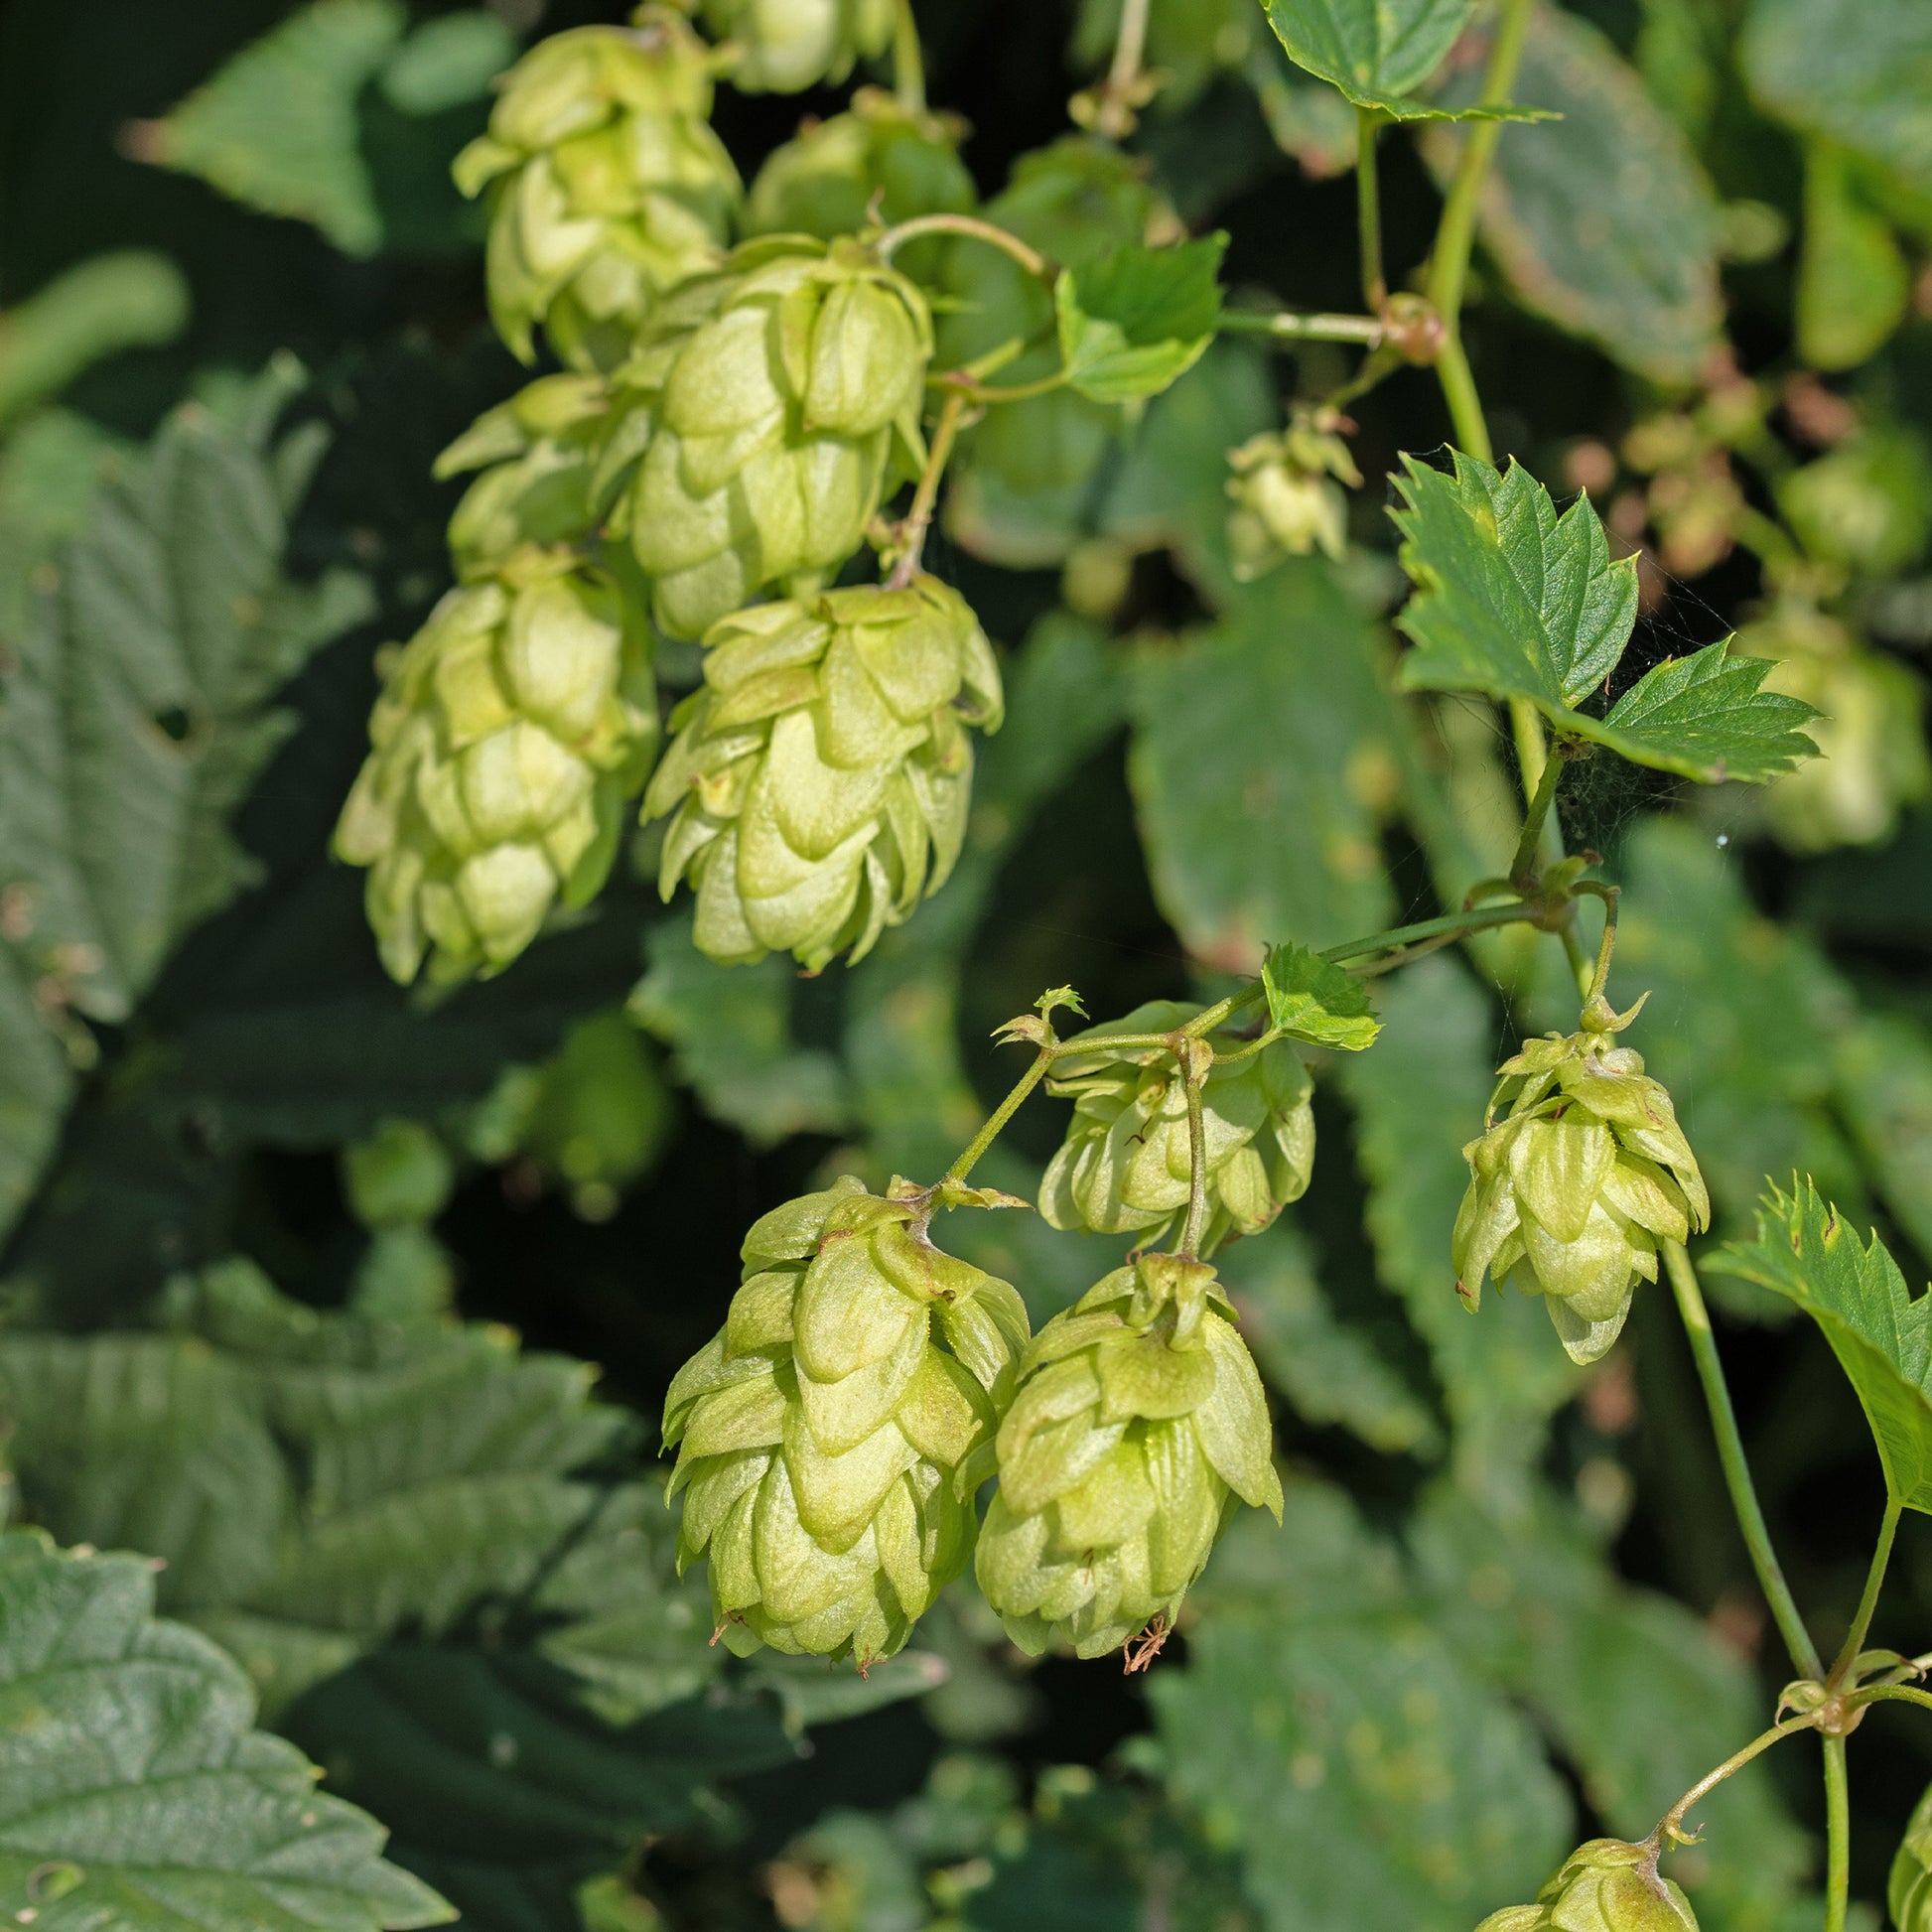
[(908, 65)]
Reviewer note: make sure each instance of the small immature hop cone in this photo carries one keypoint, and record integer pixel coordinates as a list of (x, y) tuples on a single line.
[(1572, 1190), (1287, 496), (508, 735), (1139, 1428), (1605, 1885), (790, 44), (606, 185), (1126, 1163), (830, 1436), (768, 401), (822, 774)]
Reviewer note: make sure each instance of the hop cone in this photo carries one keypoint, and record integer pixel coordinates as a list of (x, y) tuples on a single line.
[(1909, 1893), (1125, 1166), (821, 774), (1571, 1192), (790, 44), (824, 182), (1139, 1424), (1287, 499), (767, 400), (606, 185), (1605, 1885), (508, 734), (830, 1435)]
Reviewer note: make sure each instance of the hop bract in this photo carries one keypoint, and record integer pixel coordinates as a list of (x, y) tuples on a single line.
[(1139, 1424), (767, 401), (1605, 1885), (508, 735), (607, 184), (1571, 1192), (822, 774), (830, 1435), (790, 44), (1287, 497), (1126, 1165)]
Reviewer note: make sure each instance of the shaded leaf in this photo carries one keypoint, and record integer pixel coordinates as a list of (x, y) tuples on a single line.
[(123, 299), (1311, 997), (1138, 317), (133, 1792), (1379, 51), (1882, 1086), (1854, 282), (1881, 1334)]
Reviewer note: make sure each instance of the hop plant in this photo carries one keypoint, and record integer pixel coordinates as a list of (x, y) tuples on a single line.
[(820, 775), (1571, 1192), (1286, 494), (830, 1435), (767, 401), (1605, 1885), (606, 185), (1139, 1426), (1908, 1892), (1126, 1164), (786, 46), (508, 737)]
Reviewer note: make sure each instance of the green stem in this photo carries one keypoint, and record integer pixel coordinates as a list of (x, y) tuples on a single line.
[(1289, 324), (1838, 1836), (1738, 1473), (1031, 259), (1196, 1168), (1891, 1693), (1368, 211), (1873, 1579), (1523, 868), (1599, 978), (1116, 118), (1453, 923), (918, 519), (1003, 1113), (1668, 1827), (1016, 391), (908, 68)]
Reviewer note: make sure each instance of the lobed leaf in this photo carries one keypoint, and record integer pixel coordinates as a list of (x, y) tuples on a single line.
[(1313, 999), (1138, 317)]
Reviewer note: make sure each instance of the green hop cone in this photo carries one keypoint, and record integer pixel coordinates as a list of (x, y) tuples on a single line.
[(820, 775), (830, 1436), (1572, 1190), (1605, 1885), (1126, 1163), (1286, 494), (1908, 1895), (767, 401), (508, 735), (606, 185), (786, 46), (1138, 1426)]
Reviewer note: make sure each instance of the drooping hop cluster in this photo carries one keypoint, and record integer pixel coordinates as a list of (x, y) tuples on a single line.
[(607, 184), (821, 774), (508, 736), (1287, 492), (1139, 1426), (1571, 1192), (1605, 1885), (1126, 1163), (831, 1435), (786, 46), (767, 401)]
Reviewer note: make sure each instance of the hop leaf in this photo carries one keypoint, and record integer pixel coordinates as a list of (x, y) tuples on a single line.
[(830, 1435), (1138, 1419), (1908, 1895), (1126, 1164), (786, 46), (1138, 317), (1571, 1192), (820, 776), (1313, 999)]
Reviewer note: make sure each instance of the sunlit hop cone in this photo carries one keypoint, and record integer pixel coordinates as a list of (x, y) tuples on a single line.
[(1571, 1192), (789, 44), (830, 1436), (1605, 1885), (1125, 1166), (1287, 492), (1138, 1426), (607, 184), (510, 732), (768, 400), (822, 774)]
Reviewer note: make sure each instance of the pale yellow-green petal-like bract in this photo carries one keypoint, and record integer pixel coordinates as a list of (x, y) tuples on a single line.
[(786, 45), (1605, 1885)]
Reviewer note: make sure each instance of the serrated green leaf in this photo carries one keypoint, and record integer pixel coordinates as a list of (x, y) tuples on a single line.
[(1881, 1334), (1517, 601), (1379, 51), (1311, 997), (277, 127), (1133, 321), (1604, 220), (133, 1793)]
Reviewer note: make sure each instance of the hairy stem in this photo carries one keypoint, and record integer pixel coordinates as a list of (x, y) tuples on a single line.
[(1197, 1164), (918, 519), (1731, 1452), (1289, 324), (1599, 978), (896, 239), (1891, 1693), (1669, 1827), (1368, 211), (1130, 48), (1868, 1601), (1838, 1836), (1543, 793), (908, 67), (1004, 1112)]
